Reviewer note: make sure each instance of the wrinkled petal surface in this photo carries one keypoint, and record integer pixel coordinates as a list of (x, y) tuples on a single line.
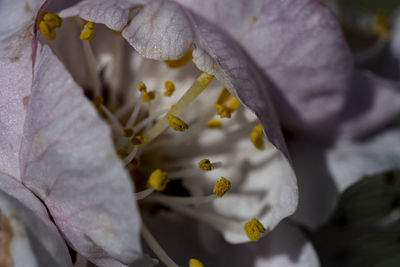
[(298, 44), (28, 236), (55, 144)]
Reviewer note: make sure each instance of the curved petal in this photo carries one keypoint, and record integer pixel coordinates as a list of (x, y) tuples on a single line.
[(28, 235), (16, 16), (58, 147), (286, 246), (299, 46), (349, 162), (67, 159), (114, 14)]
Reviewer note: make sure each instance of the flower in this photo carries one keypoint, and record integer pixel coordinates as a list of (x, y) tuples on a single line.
[(61, 154)]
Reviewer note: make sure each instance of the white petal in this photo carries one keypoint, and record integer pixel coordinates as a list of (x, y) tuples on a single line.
[(33, 238)]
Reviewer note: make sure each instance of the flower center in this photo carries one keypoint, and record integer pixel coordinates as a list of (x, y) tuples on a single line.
[(144, 145)]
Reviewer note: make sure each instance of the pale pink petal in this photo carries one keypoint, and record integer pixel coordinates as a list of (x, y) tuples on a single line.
[(349, 162), (33, 239), (16, 16), (114, 14), (67, 159), (161, 30), (299, 46), (286, 246), (15, 79)]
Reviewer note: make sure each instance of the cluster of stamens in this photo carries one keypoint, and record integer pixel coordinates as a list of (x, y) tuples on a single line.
[(132, 137)]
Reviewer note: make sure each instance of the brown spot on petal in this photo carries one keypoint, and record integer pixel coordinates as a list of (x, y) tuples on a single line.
[(25, 101), (6, 236)]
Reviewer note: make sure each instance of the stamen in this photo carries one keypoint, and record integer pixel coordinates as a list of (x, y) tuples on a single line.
[(254, 229), (180, 62), (222, 186), (256, 137), (195, 263), (98, 101), (115, 124), (226, 104), (177, 124), (169, 88), (122, 153), (128, 132), (88, 32), (147, 121), (142, 87), (205, 165), (158, 180), (222, 111), (214, 123), (138, 140), (148, 96), (48, 22), (381, 25), (143, 194), (134, 114), (157, 249), (194, 91), (92, 67), (131, 156)]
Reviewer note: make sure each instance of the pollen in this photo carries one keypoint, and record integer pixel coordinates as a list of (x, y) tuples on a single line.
[(169, 88), (226, 104), (128, 132), (148, 96), (177, 124), (205, 165), (214, 123), (254, 229), (98, 101), (257, 137), (381, 25), (142, 87), (158, 180), (48, 22), (88, 32), (195, 263), (222, 111), (138, 140), (222, 186), (122, 153)]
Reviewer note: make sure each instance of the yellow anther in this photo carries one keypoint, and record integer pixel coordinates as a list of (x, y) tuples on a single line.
[(128, 132), (180, 62), (205, 165), (214, 123), (257, 137), (381, 25), (177, 124), (88, 32), (148, 96), (226, 104), (122, 153), (98, 101), (48, 22), (254, 229), (222, 186), (195, 263), (158, 180), (169, 88), (138, 140), (117, 33), (222, 111), (142, 87)]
